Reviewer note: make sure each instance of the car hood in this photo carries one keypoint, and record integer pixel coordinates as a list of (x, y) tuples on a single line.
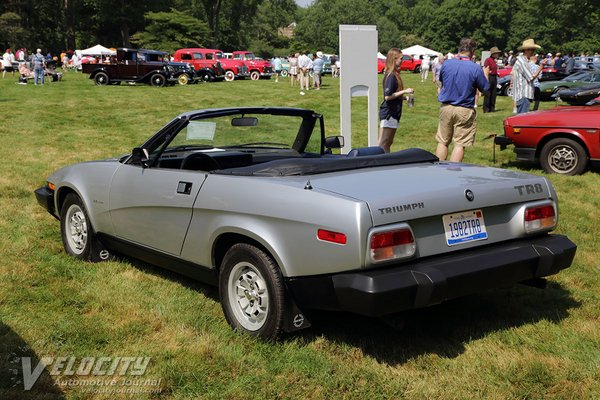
[(550, 117), (407, 192)]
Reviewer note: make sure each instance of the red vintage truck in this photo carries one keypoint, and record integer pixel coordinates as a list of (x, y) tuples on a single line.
[(205, 62), (257, 68)]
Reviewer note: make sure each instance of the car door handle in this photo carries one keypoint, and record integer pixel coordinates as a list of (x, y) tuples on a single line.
[(184, 187)]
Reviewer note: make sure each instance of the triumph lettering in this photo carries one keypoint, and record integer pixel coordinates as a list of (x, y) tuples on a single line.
[(401, 208)]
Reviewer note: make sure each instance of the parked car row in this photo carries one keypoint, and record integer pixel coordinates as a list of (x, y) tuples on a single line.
[(188, 66)]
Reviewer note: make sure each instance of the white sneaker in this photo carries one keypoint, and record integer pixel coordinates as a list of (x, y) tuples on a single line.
[(302, 93)]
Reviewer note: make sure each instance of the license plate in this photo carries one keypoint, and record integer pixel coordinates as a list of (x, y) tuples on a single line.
[(466, 226)]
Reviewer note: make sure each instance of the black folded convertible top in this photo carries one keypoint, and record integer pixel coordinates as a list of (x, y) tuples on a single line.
[(321, 165)]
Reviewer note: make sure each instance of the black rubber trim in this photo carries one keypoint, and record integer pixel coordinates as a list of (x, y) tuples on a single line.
[(525, 153), (378, 292), (160, 259), (45, 198)]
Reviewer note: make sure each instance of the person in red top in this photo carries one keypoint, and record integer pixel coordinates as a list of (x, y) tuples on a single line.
[(489, 99)]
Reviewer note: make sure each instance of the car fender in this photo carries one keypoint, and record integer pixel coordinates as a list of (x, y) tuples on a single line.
[(97, 70), (147, 77), (563, 133), (91, 182)]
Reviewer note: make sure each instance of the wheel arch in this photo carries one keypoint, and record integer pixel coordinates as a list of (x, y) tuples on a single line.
[(226, 240), (564, 134)]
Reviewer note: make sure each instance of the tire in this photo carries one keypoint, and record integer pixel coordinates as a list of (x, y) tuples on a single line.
[(563, 156), (254, 75), (508, 91), (157, 80), (101, 79), (77, 233), (417, 69), (284, 73), (206, 77), (252, 292), (183, 79), (229, 76)]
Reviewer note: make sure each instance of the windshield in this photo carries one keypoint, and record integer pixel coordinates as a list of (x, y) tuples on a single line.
[(578, 76), (249, 56)]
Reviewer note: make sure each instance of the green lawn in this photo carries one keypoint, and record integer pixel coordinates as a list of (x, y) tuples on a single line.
[(510, 343)]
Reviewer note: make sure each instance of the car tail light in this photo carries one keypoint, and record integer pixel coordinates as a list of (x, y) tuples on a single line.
[(330, 236), (392, 245), (539, 218)]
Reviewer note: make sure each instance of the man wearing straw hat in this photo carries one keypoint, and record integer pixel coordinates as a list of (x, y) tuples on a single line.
[(489, 99), (523, 89)]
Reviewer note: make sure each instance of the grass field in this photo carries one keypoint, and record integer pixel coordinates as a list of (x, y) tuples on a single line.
[(510, 343)]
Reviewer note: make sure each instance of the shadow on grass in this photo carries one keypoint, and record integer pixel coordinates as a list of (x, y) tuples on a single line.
[(12, 350), (444, 329)]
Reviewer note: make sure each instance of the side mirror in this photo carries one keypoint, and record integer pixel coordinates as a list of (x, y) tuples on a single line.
[(334, 142), (140, 156)]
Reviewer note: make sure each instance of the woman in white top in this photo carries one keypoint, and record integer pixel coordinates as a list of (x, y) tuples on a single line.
[(425, 67)]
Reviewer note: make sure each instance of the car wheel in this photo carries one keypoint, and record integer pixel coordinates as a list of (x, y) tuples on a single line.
[(77, 233), (206, 77), (101, 79), (417, 69), (229, 76), (284, 73), (563, 156), (254, 75), (509, 90), (252, 292), (157, 80), (183, 79)]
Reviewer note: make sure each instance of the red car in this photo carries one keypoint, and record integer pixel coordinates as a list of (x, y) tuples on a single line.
[(409, 63), (205, 62), (257, 68), (565, 139)]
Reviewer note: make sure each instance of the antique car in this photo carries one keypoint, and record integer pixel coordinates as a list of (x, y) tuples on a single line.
[(208, 63), (184, 73), (133, 66), (578, 79), (563, 139), (257, 68), (578, 96), (253, 200)]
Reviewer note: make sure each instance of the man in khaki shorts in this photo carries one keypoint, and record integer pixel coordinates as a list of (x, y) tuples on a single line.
[(460, 78)]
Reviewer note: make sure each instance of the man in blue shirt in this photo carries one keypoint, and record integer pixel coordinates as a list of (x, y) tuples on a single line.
[(460, 79)]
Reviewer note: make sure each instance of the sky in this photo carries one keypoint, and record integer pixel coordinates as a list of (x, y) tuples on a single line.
[(303, 3)]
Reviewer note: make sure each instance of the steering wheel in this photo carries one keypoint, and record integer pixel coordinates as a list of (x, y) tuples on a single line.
[(199, 162)]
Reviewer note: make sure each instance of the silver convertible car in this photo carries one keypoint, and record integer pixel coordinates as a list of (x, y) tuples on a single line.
[(255, 200)]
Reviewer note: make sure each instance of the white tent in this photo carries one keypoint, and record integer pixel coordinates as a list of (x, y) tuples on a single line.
[(381, 56), (98, 50), (418, 50)]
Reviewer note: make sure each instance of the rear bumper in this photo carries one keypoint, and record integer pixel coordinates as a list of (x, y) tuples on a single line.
[(434, 280), (523, 153)]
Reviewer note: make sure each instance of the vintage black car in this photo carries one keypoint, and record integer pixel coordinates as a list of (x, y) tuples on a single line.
[(133, 65)]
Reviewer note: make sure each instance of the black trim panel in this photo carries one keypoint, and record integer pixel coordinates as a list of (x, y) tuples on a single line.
[(160, 259), (45, 198), (422, 283)]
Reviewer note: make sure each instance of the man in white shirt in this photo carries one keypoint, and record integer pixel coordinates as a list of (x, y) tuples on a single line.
[(303, 67), (523, 77), (7, 63)]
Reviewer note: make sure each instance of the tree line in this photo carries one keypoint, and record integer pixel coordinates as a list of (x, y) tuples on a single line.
[(56, 25)]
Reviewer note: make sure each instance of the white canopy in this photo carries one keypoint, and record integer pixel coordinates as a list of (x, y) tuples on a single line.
[(379, 55), (418, 50), (97, 50)]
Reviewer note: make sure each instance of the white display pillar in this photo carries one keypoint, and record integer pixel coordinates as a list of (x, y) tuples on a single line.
[(358, 57)]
